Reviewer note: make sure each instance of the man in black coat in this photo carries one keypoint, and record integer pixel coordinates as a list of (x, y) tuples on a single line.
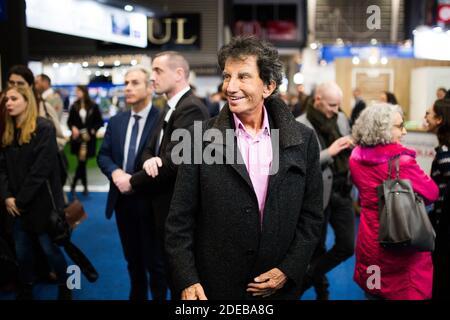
[(245, 226), (359, 106), (157, 177)]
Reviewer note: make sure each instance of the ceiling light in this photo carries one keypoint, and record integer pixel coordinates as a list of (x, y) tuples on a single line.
[(100, 63), (128, 8), (117, 63), (299, 78), (85, 64), (356, 60)]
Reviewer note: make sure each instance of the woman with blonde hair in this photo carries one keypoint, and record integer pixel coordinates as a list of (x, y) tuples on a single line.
[(29, 179), (404, 274)]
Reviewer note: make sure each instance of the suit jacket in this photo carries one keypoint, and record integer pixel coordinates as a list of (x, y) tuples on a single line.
[(111, 154), (360, 105), (213, 232), (188, 109), (325, 159)]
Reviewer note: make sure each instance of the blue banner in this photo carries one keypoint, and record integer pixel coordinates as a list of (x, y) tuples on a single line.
[(2, 10), (331, 52)]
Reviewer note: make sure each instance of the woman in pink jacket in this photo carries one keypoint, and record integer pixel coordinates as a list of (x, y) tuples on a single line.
[(403, 274)]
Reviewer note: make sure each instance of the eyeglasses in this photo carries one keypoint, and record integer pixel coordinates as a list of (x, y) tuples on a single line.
[(13, 83)]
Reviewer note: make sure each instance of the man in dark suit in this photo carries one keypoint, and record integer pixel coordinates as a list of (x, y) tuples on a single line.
[(157, 178), (247, 228), (359, 106), (119, 157)]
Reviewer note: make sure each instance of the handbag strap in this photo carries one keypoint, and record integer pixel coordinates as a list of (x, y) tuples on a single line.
[(397, 167), (51, 194)]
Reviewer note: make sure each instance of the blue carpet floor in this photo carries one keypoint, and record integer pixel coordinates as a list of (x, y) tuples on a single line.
[(99, 239)]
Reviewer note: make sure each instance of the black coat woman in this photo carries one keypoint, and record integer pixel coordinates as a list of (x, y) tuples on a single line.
[(437, 120), (84, 121), (28, 182)]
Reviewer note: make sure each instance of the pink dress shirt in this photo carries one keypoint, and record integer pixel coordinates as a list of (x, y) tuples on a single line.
[(256, 152)]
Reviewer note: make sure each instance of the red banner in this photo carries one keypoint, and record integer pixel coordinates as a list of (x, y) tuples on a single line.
[(443, 13)]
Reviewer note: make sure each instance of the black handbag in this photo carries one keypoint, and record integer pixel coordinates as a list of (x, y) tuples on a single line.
[(58, 228), (403, 219), (60, 233)]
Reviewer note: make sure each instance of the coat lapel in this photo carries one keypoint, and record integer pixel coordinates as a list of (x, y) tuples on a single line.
[(224, 124), (149, 124), (123, 126)]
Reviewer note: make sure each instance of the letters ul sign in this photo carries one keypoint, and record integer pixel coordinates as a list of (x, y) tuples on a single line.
[(179, 30)]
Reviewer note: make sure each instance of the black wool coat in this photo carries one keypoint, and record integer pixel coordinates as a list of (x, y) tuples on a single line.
[(160, 189), (213, 233), (24, 170), (93, 122)]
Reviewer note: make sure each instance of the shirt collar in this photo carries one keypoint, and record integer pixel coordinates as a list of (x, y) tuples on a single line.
[(265, 124), (46, 93), (144, 112), (172, 102)]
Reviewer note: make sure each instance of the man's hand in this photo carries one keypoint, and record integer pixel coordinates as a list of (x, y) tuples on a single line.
[(267, 283), (122, 180), (339, 145), (151, 166), (116, 174), (194, 292), (11, 207)]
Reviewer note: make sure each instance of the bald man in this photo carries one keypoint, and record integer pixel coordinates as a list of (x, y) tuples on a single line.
[(332, 130), (170, 74)]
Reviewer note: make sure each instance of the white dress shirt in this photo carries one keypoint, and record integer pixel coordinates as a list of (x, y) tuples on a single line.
[(172, 103), (144, 114)]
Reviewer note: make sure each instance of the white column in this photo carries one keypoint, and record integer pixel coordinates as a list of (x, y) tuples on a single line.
[(395, 9), (311, 9)]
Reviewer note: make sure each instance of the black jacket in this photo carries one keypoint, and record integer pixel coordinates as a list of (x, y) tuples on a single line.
[(160, 189), (213, 233), (94, 122), (24, 170)]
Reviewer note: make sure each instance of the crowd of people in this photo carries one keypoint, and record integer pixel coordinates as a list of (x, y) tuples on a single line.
[(252, 222)]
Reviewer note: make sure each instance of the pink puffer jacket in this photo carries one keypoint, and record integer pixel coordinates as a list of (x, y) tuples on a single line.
[(405, 275)]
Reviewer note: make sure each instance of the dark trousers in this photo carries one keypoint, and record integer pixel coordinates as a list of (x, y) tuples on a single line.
[(339, 214), (441, 266), (81, 174), (140, 247), (25, 254)]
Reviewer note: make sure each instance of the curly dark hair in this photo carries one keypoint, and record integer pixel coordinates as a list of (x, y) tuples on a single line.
[(442, 110), (267, 59), (24, 72)]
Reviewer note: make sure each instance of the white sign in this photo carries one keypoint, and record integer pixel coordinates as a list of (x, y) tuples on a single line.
[(431, 44), (88, 19)]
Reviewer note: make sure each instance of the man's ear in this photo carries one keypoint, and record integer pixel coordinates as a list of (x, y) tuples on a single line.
[(439, 120), (180, 73), (268, 89)]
